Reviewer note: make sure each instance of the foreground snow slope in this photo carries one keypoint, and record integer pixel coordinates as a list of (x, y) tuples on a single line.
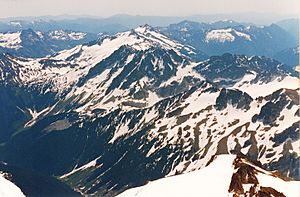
[(8, 189), (217, 180), (210, 181)]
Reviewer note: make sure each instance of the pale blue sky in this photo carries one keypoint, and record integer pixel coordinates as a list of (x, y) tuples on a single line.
[(9, 8)]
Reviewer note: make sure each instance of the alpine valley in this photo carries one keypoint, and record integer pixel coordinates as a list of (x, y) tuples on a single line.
[(190, 109)]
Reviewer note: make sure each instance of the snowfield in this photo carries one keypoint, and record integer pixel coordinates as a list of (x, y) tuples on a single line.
[(225, 35), (213, 180), (10, 40), (8, 189)]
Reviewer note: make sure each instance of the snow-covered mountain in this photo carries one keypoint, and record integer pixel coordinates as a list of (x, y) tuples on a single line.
[(139, 106), (231, 37), (29, 43), (227, 175)]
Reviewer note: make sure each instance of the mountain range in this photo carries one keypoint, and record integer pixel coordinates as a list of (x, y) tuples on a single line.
[(215, 38), (29, 43), (139, 105), (122, 22), (229, 36)]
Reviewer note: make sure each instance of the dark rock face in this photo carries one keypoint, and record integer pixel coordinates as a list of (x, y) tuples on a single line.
[(291, 133), (176, 87), (268, 191), (16, 98), (288, 164), (271, 110), (227, 69), (246, 174), (236, 98)]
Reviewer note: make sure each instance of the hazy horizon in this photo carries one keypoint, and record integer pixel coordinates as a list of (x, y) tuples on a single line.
[(105, 8)]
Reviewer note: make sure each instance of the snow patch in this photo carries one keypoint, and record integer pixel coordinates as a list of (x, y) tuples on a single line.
[(225, 35), (10, 40), (212, 180), (8, 189)]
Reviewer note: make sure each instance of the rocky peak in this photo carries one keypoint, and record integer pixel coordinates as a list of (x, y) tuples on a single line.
[(236, 98), (245, 181)]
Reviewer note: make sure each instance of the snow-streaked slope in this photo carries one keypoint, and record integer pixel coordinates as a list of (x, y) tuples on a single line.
[(73, 70), (138, 89), (214, 180), (198, 125), (8, 189), (10, 40)]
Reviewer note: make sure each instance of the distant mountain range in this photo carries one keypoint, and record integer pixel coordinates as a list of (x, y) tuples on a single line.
[(29, 43), (215, 38), (288, 56), (139, 105), (291, 26), (124, 22), (232, 37)]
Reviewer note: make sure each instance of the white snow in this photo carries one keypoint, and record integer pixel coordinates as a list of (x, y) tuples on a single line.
[(122, 130), (91, 164), (264, 89), (243, 35), (183, 71), (35, 115), (15, 23), (288, 188), (77, 35), (225, 35), (8, 189), (40, 34), (184, 29), (62, 35), (213, 180), (10, 40)]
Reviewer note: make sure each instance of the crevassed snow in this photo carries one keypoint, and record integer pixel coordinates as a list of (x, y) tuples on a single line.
[(214, 180), (10, 40), (225, 35), (8, 189)]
